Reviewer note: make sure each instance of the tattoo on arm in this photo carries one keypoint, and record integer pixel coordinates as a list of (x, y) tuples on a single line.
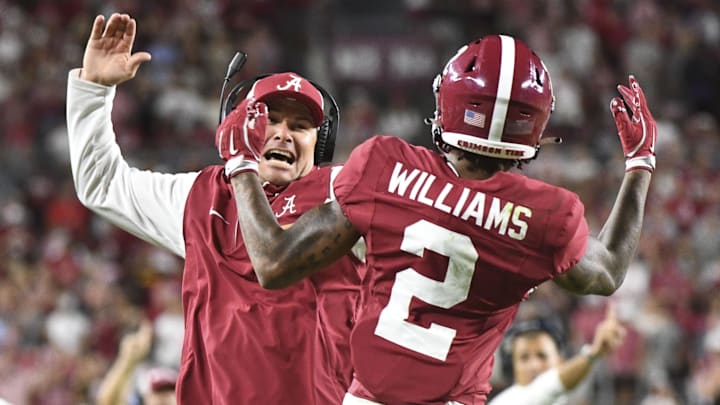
[(321, 236), (282, 256)]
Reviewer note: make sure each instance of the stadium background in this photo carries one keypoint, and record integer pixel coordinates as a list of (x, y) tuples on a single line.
[(71, 285)]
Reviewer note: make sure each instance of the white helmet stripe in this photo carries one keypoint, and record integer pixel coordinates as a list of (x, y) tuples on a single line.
[(505, 82)]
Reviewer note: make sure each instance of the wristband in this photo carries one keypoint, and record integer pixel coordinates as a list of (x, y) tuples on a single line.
[(586, 350), (238, 165), (642, 162)]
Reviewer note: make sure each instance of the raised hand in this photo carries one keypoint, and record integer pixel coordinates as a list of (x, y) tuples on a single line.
[(108, 58), (135, 346), (609, 334), (240, 137), (637, 134)]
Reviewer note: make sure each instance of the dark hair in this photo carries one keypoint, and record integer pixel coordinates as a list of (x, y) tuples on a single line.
[(550, 326)]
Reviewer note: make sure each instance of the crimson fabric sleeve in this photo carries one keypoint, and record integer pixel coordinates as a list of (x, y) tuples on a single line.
[(570, 241), (352, 190)]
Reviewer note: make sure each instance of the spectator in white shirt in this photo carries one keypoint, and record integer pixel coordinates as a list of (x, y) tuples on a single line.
[(541, 375)]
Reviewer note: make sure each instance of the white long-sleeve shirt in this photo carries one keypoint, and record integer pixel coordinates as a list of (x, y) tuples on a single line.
[(147, 204), (545, 389)]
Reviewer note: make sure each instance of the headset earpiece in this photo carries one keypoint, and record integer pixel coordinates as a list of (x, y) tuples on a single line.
[(322, 146), (325, 146)]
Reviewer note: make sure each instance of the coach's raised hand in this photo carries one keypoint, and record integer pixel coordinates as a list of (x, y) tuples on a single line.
[(108, 58)]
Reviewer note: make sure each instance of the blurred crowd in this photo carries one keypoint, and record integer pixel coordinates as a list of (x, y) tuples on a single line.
[(71, 285)]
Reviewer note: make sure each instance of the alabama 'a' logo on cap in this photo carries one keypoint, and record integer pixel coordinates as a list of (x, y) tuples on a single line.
[(295, 82), (293, 86)]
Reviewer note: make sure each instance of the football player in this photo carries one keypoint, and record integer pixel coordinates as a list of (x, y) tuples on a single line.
[(455, 238), (242, 343)]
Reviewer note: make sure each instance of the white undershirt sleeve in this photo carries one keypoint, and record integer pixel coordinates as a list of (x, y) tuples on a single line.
[(149, 205), (545, 389)]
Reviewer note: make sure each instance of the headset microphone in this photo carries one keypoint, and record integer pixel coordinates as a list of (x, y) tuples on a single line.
[(235, 65)]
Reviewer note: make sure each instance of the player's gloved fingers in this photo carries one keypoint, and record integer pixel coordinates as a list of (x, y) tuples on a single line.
[(632, 100), (255, 108), (218, 142), (629, 96), (619, 112), (644, 108), (653, 137), (258, 116), (260, 121), (253, 135), (635, 86), (617, 106), (248, 135), (261, 109)]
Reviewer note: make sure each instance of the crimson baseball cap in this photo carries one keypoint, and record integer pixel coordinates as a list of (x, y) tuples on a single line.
[(293, 86), (158, 379)]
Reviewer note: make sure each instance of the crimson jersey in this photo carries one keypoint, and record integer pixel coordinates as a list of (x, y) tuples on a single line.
[(338, 296), (448, 262), (246, 344)]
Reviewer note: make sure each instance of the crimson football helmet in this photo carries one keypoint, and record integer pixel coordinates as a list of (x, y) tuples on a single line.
[(493, 98)]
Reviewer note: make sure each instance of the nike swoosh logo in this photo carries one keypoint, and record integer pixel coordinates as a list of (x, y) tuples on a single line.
[(331, 190), (233, 151), (219, 215), (654, 137)]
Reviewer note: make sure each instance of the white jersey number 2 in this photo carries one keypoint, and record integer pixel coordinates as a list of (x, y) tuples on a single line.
[(436, 340)]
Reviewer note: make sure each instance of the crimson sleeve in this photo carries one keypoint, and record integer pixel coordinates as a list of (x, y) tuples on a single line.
[(354, 186), (571, 238)]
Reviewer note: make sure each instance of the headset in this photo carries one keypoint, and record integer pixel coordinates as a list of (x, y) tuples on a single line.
[(325, 145)]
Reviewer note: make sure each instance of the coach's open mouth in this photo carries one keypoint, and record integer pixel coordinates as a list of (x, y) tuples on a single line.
[(281, 155)]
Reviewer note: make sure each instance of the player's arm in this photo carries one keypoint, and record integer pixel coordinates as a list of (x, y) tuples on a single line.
[(279, 256), (604, 265), (282, 256)]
